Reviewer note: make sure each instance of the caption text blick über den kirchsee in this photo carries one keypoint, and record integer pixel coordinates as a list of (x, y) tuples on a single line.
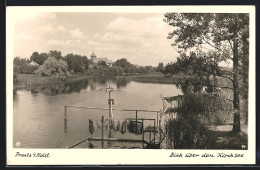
[(206, 155)]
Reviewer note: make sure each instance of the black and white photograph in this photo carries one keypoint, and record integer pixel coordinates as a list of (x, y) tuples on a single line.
[(136, 85)]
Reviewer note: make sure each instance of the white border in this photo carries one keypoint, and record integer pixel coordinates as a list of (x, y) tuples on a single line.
[(125, 156)]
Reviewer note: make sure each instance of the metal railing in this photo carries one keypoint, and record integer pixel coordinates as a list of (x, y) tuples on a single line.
[(156, 123), (97, 108)]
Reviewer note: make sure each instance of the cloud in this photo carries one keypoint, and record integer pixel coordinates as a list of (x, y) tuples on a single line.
[(67, 43), (141, 40), (76, 33), (24, 16), (152, 25), (56, 42), (61, 28), (23, 37)]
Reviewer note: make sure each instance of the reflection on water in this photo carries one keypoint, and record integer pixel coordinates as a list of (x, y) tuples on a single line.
[(38, 114), (82, 84)]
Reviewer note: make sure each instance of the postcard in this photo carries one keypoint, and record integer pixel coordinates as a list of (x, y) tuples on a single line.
[(130, 85)]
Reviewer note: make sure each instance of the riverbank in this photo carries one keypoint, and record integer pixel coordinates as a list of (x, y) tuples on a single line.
[(157, 77), (32, 80)]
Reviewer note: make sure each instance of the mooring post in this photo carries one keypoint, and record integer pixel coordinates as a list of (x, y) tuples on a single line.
[(157, 119), (110, 102), (150, 137), (136, 121), (142, 125), (102, 135), (143, 140), (110, 115), (65, 118), (160, 138), (154, 131)]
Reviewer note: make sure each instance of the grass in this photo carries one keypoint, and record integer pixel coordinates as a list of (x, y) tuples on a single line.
[(77, 77), (204, 122), (36, 84), (32, 80), (225, 139), (157, 77)]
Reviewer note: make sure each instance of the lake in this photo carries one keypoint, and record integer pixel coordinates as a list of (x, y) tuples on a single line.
[(38, 116)]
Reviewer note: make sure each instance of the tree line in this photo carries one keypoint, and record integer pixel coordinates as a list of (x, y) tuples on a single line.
[(53, 64), (123, 67)]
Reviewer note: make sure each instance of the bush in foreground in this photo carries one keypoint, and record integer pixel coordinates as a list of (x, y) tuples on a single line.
[(196, 111)]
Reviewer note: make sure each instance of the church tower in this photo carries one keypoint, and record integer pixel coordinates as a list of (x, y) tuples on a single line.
[(93, 56)]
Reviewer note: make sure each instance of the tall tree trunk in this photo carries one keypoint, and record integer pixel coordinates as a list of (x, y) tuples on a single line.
[(236, 122), (245, 64)]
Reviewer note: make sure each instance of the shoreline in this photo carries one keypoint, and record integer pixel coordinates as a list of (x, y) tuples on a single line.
[(32, 80)]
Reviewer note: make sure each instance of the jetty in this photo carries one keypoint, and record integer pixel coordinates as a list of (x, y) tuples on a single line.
[(134, 129)]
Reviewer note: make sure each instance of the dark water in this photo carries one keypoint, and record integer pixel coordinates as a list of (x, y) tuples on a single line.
[(39, 113)]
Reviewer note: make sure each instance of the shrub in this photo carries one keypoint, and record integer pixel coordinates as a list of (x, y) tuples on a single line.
[(195, 112), (182, 133), (53, 68)]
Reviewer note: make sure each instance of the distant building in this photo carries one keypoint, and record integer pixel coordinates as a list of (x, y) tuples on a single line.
[(95, 60), (32, 63)]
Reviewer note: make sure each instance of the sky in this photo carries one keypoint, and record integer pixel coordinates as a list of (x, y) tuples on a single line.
[(141, 38)]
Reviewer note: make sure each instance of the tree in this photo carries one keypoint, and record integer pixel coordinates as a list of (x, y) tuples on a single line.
[(56, 54), (21, 65), (102, 63), (85, 61), (20, 61), (39, 58), (160, 67), (124, 64), (53, 68), (76, 63), (222, 32), (116, 70), (204, 68)]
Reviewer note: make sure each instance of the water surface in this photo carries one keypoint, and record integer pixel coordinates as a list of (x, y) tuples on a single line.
[(38, 117)]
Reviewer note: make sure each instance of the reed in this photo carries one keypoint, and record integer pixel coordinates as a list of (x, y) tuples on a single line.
[(196, 111)]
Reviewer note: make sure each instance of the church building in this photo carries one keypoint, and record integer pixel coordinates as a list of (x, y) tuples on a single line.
[(95, 60)]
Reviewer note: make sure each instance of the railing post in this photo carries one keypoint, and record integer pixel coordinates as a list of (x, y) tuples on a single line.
[(136, 121), (65, 119), (102, 135)]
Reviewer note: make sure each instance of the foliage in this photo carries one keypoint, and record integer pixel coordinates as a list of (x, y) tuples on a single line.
[(227, 34), (15, 79), (53, 68), (160, 67), (39, 58), (85, 61), (203, 66), (116, 70), (22, 65), (189, 129), (126, 65), (28, 69), (102, 64), (56, 54), (122, 63), (77, 63), (20, 61)]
